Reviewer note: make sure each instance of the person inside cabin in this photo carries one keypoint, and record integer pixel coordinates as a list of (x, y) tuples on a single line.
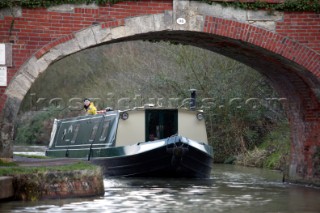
[(89, 107), (152, 137), (108, 109)]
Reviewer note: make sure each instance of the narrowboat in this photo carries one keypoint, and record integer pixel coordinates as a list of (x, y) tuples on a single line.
[(145, 142)]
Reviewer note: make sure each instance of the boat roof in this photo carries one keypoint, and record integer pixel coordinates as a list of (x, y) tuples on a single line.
[(152, 107)]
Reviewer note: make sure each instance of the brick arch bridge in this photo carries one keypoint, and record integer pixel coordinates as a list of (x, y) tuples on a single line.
[(284, 47)]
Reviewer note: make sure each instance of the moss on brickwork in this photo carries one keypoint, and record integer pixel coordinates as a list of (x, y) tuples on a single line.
[(316, 161), (48, 3), (288, 5), (58, 184), (27, 187), (32, 183)]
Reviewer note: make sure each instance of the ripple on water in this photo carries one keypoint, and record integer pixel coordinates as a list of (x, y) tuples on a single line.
[(231, 189)]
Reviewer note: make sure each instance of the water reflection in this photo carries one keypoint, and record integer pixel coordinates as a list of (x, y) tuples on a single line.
[(231, 189)]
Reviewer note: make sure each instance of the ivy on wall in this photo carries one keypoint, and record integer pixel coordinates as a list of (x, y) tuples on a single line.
[(287, 5), (48, 3)]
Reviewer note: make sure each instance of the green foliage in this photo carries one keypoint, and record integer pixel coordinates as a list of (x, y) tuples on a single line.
[(48, 3), (277, 143), (252, 158), (273, 153), (32, 130), (3, 163), (316, 159), (273, 161), (238, 115), (287, 5)]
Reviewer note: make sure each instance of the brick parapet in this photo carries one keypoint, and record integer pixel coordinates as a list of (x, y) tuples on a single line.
[(57, 185), (37, 30)]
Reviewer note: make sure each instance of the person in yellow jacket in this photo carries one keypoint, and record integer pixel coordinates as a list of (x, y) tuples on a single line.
[(89, 107)]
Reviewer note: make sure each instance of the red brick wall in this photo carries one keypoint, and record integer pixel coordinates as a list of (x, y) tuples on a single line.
[(38, 30), (297, 38), (303, 27), (38, 27), (285, 43)]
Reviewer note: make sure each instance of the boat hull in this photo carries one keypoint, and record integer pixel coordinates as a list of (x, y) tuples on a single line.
[(111, 140), (176, 158)]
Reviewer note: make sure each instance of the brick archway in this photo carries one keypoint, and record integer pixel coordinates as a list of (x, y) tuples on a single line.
[(292, 68)]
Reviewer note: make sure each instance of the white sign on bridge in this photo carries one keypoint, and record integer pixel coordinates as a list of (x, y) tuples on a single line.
[(3, 76), (2, 54)]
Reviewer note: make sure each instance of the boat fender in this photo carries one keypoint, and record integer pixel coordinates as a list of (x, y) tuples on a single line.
[(177, 155), (175, 162), (177, 151)]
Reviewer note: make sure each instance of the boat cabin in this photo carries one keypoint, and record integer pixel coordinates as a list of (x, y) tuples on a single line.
[(73, 137), (152, 124)]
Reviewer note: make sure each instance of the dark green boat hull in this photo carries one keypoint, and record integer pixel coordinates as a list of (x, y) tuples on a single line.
[(172, 157)]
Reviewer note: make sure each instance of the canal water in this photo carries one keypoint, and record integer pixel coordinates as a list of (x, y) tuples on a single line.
[(230, 189)]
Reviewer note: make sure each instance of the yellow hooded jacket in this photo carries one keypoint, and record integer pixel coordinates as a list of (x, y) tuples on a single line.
[(91, 110)]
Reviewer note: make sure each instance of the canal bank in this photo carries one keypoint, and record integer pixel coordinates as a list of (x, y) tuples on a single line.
[(36, 179)]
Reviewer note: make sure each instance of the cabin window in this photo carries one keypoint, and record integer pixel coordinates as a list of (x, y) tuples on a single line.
[(161, 124), (105, 131), (75, 134), (94, 132), (64, 134), (68, 133)]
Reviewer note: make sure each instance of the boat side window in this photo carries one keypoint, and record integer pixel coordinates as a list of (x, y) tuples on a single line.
[(69, 133), (64, 134), (94, 131), (105, 129), (75, 134)]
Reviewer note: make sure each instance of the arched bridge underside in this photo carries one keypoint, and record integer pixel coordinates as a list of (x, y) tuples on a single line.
[(291, 65)]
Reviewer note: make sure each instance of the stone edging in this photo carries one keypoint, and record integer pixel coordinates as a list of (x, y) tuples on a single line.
[(57, 184)]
